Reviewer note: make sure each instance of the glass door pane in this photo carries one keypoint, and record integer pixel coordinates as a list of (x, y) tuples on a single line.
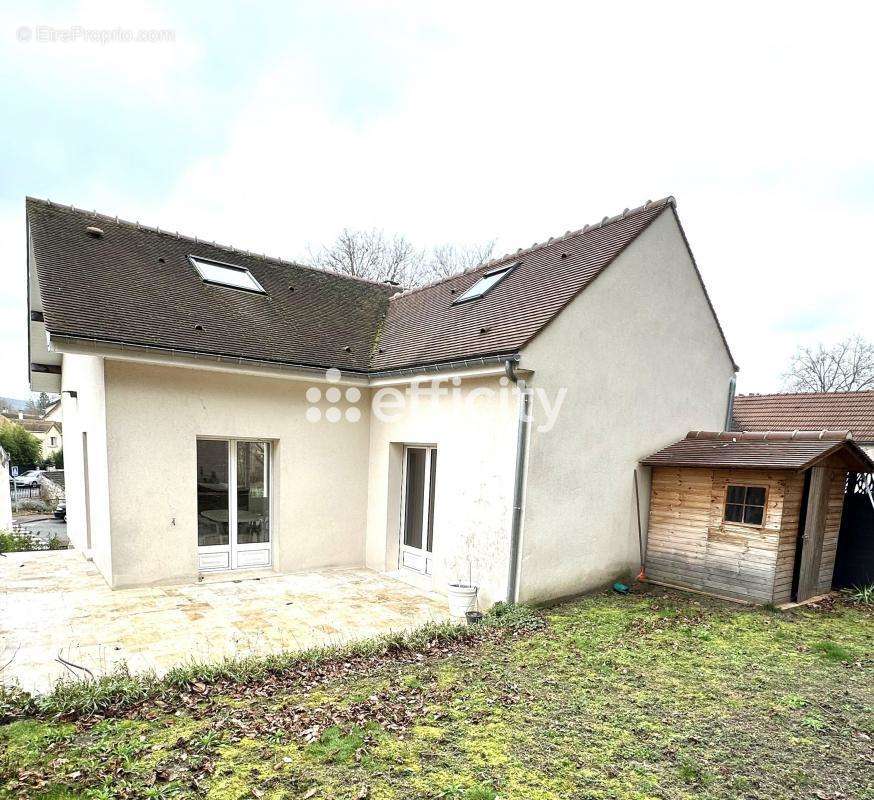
[(414, 502), (212, 493), (253, 501)]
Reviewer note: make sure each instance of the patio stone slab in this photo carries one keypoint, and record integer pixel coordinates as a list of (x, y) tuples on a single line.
[(57, 603)]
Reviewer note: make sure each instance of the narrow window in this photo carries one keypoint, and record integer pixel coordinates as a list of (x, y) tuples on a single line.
[(745, 504), (417, 523), (226, 274), (485, 284)]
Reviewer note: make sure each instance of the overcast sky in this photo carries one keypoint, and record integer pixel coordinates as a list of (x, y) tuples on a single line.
[(272, 128)]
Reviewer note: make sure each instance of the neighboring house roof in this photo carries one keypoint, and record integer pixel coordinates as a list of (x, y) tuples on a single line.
[(134, 285), (766, 450), (50, 408), (845, 411), (34, 425)]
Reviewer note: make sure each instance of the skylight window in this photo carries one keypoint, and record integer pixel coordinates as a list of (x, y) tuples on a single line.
[(484, 284), (226, 275)]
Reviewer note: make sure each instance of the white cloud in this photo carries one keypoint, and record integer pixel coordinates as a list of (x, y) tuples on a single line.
[(518, 124)]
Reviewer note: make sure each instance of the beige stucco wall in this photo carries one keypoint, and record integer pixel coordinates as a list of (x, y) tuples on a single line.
[(474, 430), (643, 362), (154, 416), (86, 412)]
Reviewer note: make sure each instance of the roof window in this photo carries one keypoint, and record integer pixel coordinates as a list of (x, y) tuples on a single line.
[(484, 285), (226, 274)]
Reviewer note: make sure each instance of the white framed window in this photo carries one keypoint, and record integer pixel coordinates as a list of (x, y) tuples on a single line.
[(226, 274), (484, 285), (234, 491), (417, 508)]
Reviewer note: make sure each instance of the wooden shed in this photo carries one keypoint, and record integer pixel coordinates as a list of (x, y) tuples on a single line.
[(750, 516)]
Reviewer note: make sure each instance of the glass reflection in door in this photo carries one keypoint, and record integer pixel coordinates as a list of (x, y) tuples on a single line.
[(253, 502), (212, 493)]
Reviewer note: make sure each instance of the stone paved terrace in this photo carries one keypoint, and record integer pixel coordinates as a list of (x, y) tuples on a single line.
[(55, 603)]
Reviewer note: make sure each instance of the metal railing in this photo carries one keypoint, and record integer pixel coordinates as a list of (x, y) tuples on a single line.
[(24, 492)]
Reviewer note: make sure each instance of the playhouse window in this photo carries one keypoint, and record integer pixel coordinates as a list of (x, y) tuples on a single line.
[(745, 504)]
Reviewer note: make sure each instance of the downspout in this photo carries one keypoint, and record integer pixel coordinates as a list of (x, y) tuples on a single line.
[(729, 413), (519, 482)]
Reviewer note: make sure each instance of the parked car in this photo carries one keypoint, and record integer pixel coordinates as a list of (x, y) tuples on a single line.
[(61, 510), (29, 478)]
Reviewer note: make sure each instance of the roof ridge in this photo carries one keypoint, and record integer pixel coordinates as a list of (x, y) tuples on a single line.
[(798, 435), (176, 235), (808, 394), (495, 262)]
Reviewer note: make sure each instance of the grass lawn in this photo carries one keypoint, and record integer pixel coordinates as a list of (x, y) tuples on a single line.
[(657, 694)]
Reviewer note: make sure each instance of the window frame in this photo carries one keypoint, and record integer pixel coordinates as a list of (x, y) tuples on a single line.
[(193, 260), (505, 271), (744, 505), (429, 498)]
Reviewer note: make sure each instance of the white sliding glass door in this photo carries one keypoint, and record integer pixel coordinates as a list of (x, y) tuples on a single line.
[(233, 504), (417, 508)]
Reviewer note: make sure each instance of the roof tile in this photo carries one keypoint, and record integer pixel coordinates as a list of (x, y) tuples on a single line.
[(846, 411), (134, 285), (765, 450)]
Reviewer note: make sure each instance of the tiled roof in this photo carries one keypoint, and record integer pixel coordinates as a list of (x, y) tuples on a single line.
[(544, 279), (845, 411), (135, 285), (31, 424), (766, 450)]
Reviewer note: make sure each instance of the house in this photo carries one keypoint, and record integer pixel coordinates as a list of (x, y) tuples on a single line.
[(750, 516), (53, 411), (225, 411), (48, 431), (809, 411)]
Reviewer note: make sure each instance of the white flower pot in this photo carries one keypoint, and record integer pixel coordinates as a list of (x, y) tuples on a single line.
[(461, 599)]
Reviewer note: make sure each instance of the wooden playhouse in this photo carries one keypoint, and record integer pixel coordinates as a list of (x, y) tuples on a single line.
[(749, 516)]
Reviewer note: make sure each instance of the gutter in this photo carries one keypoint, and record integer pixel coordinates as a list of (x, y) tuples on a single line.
[(79, 343), (371, 377), (519, 481)]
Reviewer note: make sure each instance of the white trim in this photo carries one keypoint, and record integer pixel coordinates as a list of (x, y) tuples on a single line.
[(427, 377), (189, 360), (118, 352)]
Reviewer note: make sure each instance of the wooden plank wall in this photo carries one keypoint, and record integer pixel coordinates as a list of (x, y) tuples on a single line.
[(788, 537), (838, 479), (814, 532), (689, 544)]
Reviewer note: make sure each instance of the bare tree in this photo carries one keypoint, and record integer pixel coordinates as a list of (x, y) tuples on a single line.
[(446, 260), (377, 256), (372, 255), (844, 367)]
